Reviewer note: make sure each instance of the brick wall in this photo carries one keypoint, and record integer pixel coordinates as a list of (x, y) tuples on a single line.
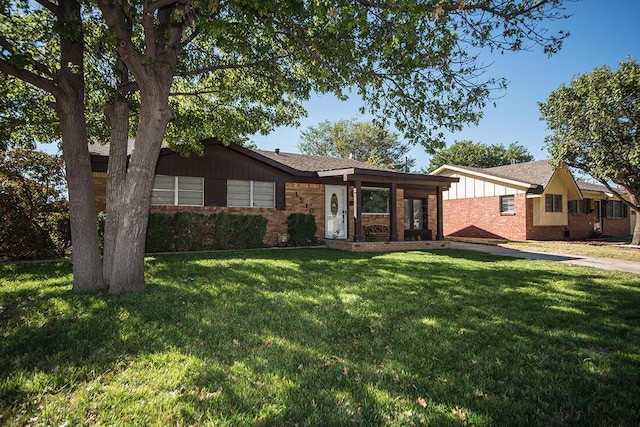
[(306, 198), (100, 190), (617, 227), (481, 217), (581, 225), (432, 215)]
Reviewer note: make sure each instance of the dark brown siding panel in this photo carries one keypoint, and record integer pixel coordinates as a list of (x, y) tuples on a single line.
[(280, 196), (215, 192)]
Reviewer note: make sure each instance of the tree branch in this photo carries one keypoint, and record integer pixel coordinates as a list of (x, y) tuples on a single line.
[(231, 66), (29, 77), (152, 6), (618, 195), (485, 7), (51, 7), (149, 30), (116, 19), (9, 47)]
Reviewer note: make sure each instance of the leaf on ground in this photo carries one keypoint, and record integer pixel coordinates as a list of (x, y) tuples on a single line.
[(420, 401), (458, 413)]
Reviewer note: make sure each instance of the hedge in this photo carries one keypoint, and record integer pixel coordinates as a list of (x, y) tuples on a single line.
[(302, 229), (187, 231)]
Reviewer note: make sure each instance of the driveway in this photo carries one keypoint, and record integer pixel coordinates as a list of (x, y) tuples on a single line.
[(604, 263)]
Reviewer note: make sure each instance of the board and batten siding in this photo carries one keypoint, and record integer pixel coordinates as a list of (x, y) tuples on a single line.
[(468, 188)]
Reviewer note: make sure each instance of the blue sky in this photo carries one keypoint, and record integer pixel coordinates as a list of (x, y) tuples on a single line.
[(603, 32)]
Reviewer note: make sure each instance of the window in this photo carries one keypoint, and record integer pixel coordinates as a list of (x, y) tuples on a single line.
[(414, 214), (580, 206), (251, 194), (553, 203), (177, 191), (375, 200), (507, 205), (615, 209)]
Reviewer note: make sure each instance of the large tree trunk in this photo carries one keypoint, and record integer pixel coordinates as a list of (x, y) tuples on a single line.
[(635, 239), (128, 263), (117, 114), (87, 265)]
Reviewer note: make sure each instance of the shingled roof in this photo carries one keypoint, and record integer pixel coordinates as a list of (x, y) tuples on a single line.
[(309, 163), (98, 149), (590, 186), (300, 162), (538, 172)]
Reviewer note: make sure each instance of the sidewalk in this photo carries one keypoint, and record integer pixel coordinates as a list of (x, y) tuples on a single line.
[(606, 264)]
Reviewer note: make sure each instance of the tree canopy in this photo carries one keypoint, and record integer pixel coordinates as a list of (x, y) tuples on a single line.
[(595, 124), (477, 154), (365, 141), (205, 68), (32, 204)]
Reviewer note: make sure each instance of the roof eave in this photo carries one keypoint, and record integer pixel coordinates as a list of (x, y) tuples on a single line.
[(476, 174)]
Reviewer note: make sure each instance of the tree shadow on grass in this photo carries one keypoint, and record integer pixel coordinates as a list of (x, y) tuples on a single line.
[(332, 338)]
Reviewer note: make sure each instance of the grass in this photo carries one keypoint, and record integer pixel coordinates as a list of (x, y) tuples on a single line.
[(321, 337), (593, 249), (597, 249)]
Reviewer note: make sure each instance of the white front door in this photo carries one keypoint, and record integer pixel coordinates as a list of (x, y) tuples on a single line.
[(336, 211)]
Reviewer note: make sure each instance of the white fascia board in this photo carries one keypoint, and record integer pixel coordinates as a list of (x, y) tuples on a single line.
[(484, 176)]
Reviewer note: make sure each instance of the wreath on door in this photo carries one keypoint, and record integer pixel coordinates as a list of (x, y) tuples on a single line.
[(334, 204)]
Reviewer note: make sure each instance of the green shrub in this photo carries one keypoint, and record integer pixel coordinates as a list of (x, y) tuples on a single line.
[(302, 229), (237, 231), (160, 233), (187, 231), (101, 218)]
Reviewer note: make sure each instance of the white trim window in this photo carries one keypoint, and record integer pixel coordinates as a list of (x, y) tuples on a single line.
[(508, 205), (177, 191), (615, 209), (251, 194), (553, 203)]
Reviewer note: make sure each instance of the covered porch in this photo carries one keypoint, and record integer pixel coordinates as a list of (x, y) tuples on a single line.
[(390, 207)]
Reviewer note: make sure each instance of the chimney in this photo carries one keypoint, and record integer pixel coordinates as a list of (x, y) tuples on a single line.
[(277, 151)]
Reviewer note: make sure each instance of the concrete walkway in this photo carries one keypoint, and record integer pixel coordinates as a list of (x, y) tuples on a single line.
[(604, 263)]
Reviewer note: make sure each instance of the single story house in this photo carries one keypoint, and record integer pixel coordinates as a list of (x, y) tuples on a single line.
[(344, 195), (529, 201)]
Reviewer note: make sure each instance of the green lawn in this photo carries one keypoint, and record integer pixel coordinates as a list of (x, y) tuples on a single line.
[(592, 249), (321, 337), (596, 249)]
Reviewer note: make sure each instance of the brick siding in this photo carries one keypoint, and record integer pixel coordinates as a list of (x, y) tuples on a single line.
[(480, 217), (617, 227), (299, 198), (100, 190)]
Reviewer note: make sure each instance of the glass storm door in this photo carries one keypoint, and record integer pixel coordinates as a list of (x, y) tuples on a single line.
[(335, 207)]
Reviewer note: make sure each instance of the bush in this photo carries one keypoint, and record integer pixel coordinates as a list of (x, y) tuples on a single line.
[(187, 231), (160, 235), (33, 208), (302, 229)]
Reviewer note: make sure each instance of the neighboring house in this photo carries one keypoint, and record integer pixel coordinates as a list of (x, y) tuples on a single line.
[(529, 201), (344, 195)]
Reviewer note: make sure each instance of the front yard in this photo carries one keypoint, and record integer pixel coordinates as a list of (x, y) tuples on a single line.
[(322, 337)]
